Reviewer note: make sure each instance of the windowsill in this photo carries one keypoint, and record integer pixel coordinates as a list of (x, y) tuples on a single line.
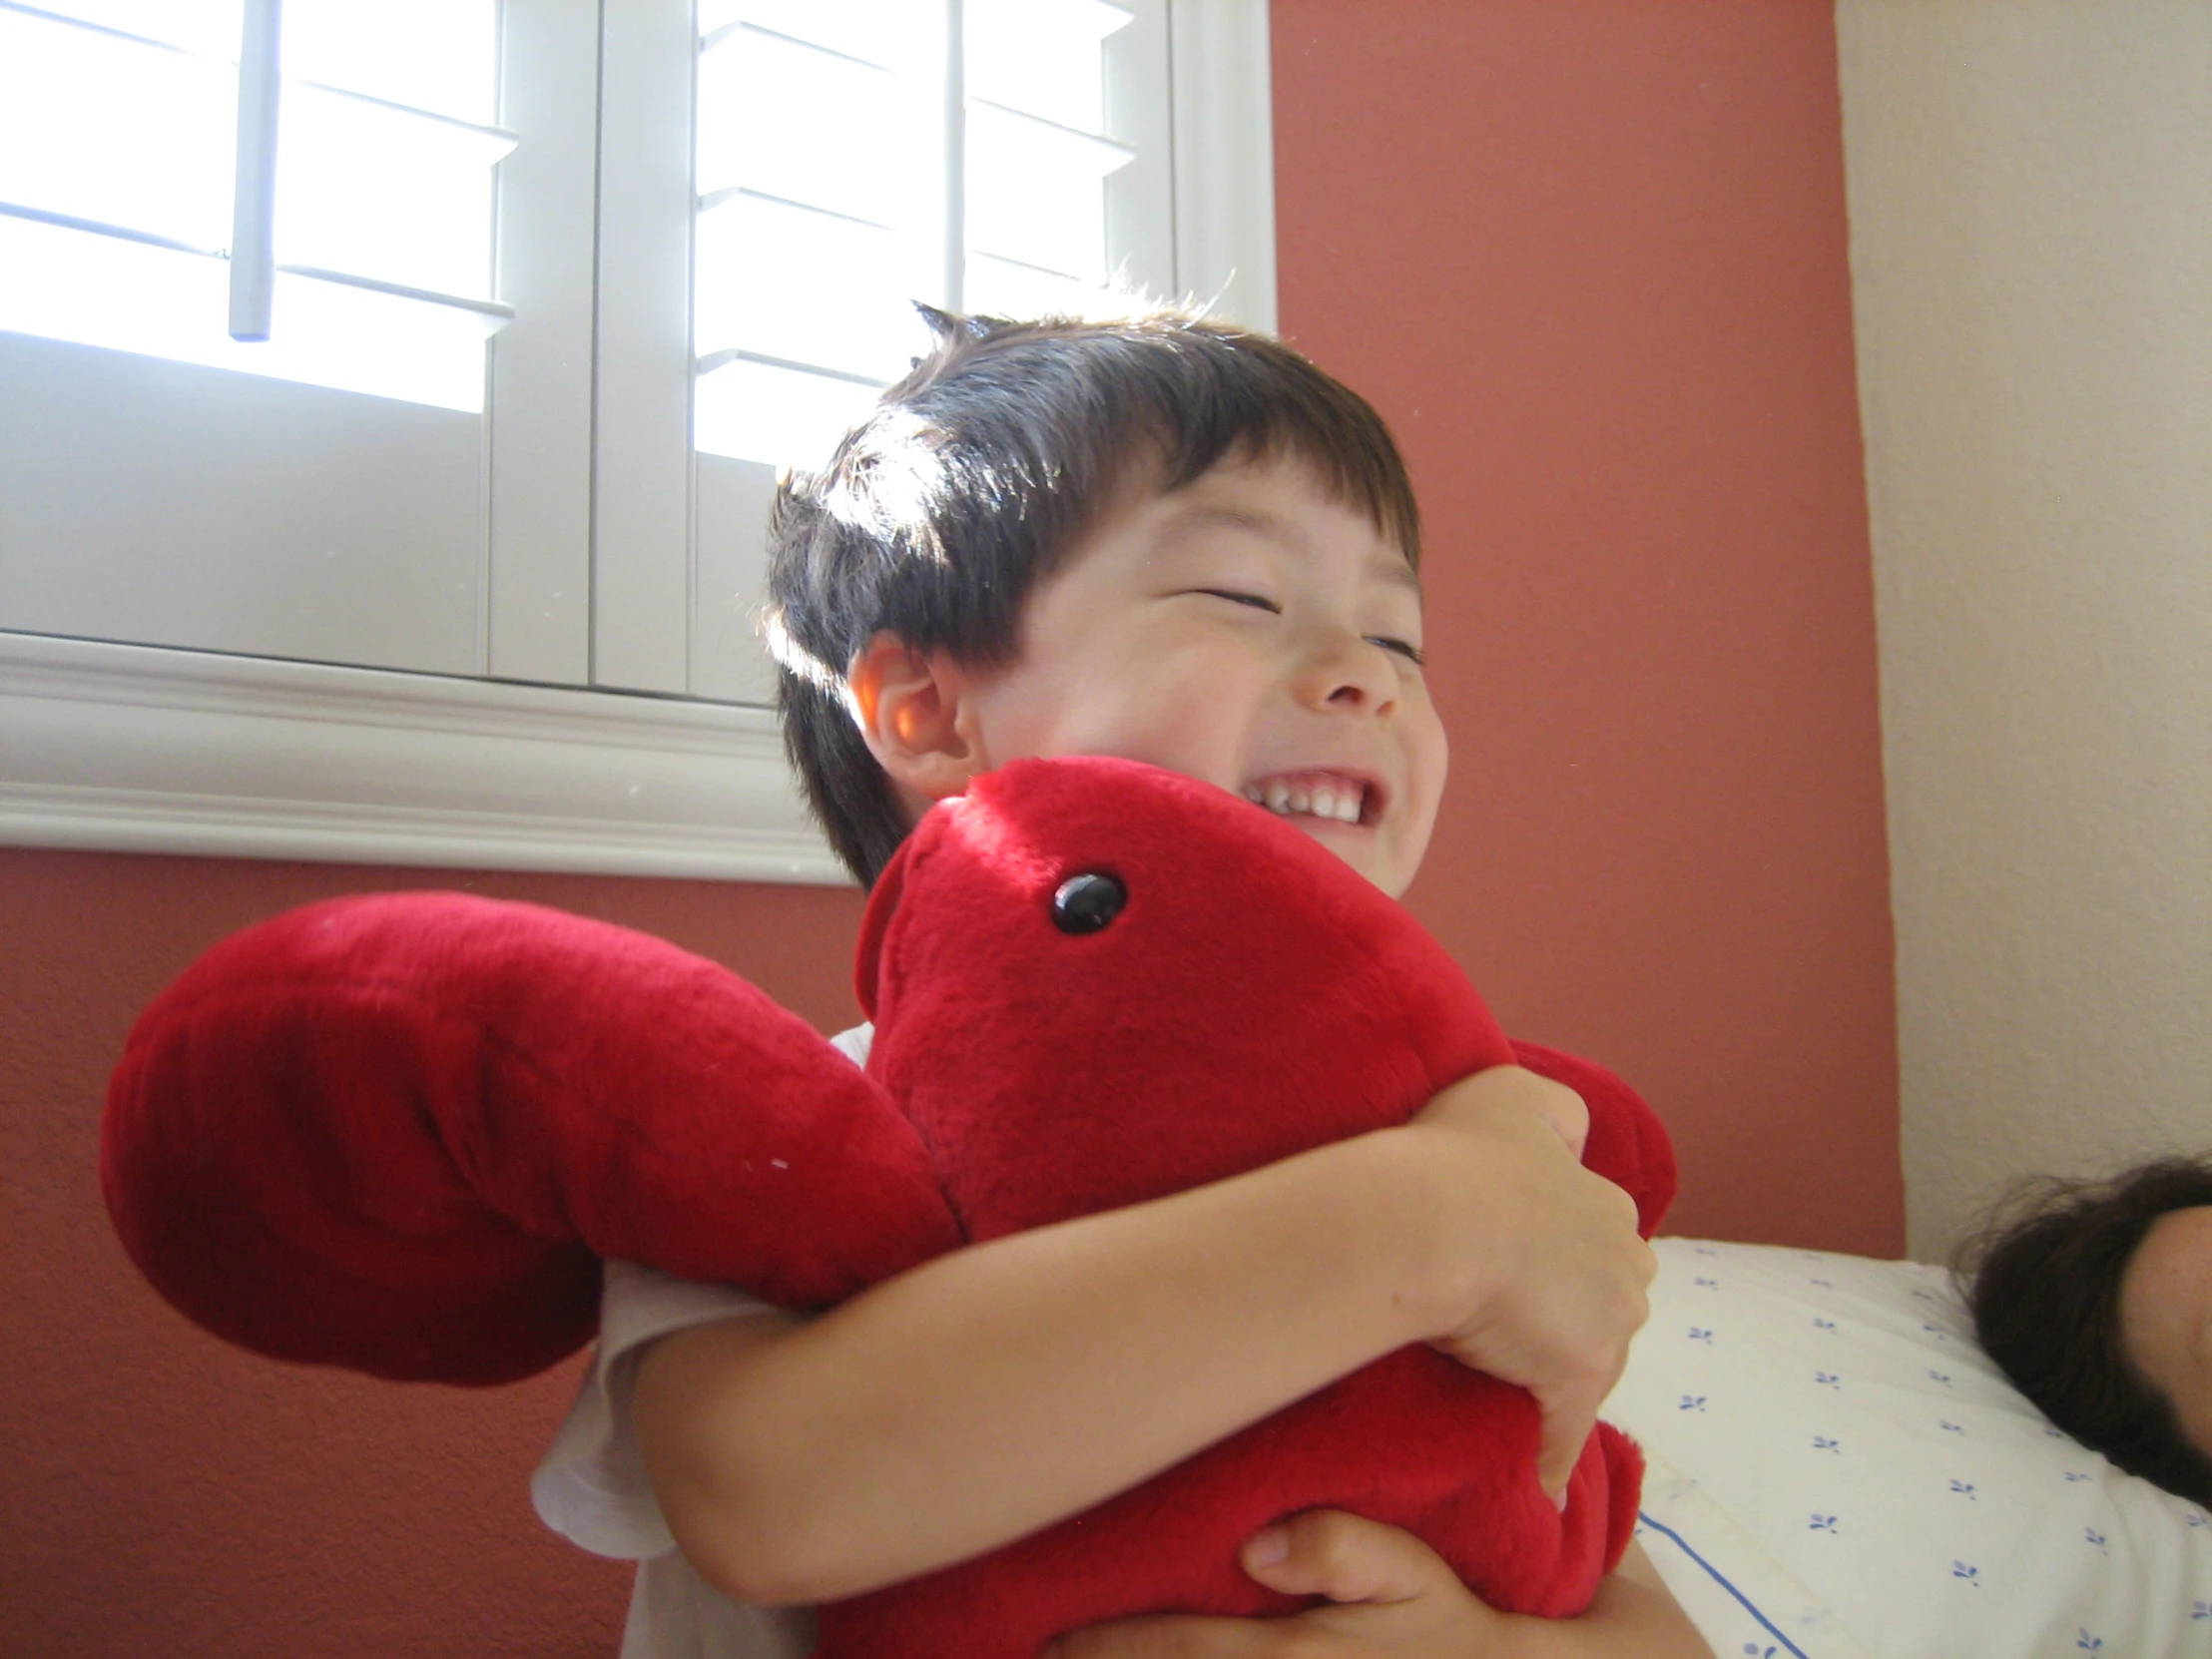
[(135, 749)]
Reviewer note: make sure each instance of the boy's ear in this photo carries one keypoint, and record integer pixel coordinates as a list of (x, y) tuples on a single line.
[(912, 714)]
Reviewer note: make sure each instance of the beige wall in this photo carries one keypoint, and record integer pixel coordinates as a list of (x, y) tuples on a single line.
[(2031, 196)]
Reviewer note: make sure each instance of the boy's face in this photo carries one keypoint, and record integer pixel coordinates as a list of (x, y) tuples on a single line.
[(1249, 630)]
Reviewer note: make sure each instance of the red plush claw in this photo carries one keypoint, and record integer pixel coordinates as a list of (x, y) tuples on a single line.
[(399, 1134)]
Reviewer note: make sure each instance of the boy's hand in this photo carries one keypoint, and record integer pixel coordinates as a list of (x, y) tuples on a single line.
[(1554, 1270), (1389, 1596)]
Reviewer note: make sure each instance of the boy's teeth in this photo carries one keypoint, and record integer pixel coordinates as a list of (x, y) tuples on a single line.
[(1320, 801)]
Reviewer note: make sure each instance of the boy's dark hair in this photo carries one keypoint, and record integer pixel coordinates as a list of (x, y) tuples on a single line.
[(973, 476), (2045, 1295)]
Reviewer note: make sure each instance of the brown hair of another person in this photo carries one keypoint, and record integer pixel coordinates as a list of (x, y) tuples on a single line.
[(2045, 1275)]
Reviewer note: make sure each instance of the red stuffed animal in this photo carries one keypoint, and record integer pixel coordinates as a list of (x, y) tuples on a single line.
[(399, 1134)]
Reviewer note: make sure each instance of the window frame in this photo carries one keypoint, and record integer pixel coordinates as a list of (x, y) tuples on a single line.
[(144, 748)]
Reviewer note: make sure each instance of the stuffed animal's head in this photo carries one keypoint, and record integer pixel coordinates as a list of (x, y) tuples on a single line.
[(1096, 982)]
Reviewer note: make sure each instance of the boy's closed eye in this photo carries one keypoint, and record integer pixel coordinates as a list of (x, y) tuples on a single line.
[(1403, 648), (1260, 602)]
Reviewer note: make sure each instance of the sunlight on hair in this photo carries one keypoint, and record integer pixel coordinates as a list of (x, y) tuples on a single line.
[(893, 485), (795, 659)]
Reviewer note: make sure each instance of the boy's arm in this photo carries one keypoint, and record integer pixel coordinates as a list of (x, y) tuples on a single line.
[(1008, 1385), (1391, 1597)]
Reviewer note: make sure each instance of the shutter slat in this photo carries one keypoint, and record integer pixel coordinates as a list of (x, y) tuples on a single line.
[(804, 286), (440, 56), (806, 126), (885, 32), (208, 28), (117, 155), (376, 189), (160, 303), (1041, 56), (1036, 193), (755, 410), (103, 127), (833, 192), (1006, 288)]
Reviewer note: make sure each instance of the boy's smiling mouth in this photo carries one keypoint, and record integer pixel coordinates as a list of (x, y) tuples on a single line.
[(1338, 796)]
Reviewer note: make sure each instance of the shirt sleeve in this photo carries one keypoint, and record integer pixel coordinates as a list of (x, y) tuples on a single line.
[(591, 1485)]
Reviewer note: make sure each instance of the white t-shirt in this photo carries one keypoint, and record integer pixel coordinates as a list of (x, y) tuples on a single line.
[(592, 1489)]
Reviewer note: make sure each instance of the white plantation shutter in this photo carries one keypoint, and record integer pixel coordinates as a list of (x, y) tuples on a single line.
[(1066, 145), (852, 156), (820, 163), (318, 494), (857, 156), (118, 120), (553, 288)]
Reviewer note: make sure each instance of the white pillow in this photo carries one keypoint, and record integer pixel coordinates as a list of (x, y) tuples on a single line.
[(1837, 1471)]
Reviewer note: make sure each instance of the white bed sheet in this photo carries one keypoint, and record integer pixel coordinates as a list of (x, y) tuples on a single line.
[(1838, 1472)]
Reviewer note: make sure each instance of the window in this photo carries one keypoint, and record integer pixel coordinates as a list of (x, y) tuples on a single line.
[(834, 132), (119, 159), (456, 566)]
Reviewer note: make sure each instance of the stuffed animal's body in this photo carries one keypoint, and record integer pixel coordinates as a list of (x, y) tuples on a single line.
[(423, 1118)]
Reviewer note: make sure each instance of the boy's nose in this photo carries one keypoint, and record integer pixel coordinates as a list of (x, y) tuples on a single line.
[(1351, 674)]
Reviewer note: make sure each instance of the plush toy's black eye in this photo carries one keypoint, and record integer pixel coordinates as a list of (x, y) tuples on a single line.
[(1085, 904)]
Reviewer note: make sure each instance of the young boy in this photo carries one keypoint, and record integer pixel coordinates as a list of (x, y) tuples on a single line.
[(1174, 542)]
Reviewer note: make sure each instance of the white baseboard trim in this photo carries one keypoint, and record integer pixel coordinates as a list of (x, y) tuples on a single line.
[(133, 749)]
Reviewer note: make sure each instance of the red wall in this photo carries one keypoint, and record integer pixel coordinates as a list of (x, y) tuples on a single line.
[(1588, 258), (162, 1494)]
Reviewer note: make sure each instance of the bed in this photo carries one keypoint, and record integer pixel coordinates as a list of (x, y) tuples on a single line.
[(1835, 1471)]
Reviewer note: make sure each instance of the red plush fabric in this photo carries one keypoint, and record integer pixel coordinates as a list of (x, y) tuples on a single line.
[(398, 1133), (1253, 998)]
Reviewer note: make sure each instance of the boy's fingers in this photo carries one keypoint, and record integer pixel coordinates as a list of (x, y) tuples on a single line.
[(1568, 1423), (1327, 1553), (1323, 1552), (1569, 1116), (1517, 1088), (1571, 1415)]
